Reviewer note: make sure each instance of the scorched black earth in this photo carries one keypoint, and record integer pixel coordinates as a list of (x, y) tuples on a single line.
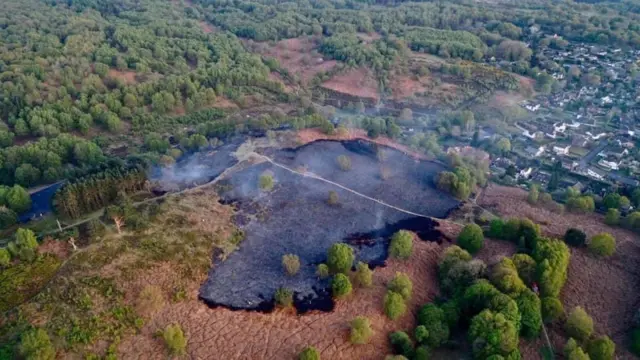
[(296, 218)]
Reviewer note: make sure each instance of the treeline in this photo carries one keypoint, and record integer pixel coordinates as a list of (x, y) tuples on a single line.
[(347, 47), (446, 43), (96, 191)]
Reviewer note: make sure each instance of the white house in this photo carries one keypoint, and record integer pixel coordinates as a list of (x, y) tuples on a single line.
[(535, 151), (594, 174), (524, 173), (532, 108), (561, 149), (560, 127), (597, 136), (609, 164)]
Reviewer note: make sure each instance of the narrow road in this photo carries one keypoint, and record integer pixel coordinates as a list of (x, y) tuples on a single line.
[(584, 162)]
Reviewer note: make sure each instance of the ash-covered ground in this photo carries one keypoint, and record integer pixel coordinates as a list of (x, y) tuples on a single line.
[(296, 218)]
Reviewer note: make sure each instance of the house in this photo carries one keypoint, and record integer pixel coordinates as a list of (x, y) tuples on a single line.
[(469, 152), (617, 151), (580, 141), (548, 130), (541, 177), (524, 173), (594, 173), (597, 136), (561, 148), (560, 127), (535, 151), (569, 164), (609, 164)]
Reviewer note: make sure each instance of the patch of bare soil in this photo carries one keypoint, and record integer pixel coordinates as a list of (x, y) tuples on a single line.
[(309, 135), (58, 248), (357, 82), (127, 76), (224, 334), (502, 99), (224, 103), (406, 86), (299, 56), (206, 27), (606, 288)]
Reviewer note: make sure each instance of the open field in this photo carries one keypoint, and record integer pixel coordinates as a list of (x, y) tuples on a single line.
[(606, 288), (296, 218), (356, 82)]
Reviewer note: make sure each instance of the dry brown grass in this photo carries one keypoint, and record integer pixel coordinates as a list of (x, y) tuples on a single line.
[(127, 76), (358, 82)]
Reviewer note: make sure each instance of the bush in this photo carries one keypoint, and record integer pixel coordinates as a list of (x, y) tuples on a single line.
[(573, 351), (579, 324), (266, 182), (526, 267), (402, 285), (36, 345), (322, 271), (401, 344), (340, 286), (333, 198), (344, 162), (422, 353), (284, 297), (612, 218), (340, 258), (451, 311), (460, 275), (174, 339), (575, 237), (434, 321), (5, 258), (360, 330), (291, 264), (471, 238), (552, 309), (496, 229), (601, 348), (421, 334), (603, 245), (401, 245), (394, 305), (534, 194), (309, 353), (363, 276), (530, 308), (492, 335), (395, 357), (7, 217)]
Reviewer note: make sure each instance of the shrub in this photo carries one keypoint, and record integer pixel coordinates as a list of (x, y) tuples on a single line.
[(402, 285), (340, 258), (421, 334), (174, 339), (579, 324), (573, 351), (284, 297), (612, 217), (333, 198), (471, 238), (394, 305), (360, 330), (322, 271), (7, 217), (552, 309), (36, 345), (401, 245), (530, 308), (601, 348), (309, 353), (504, 276), (340, 286), (150, 300), (460, 275), (603, 245), (363, 276), (5, 258), (266, 182), (635, 341), (575, 237), (344, 162), (451, 311), (437, 330), (291, 264), (534, 194), (422, 353), (492, 335), (401, 344), (526, 267), (395, 357), (496, 229)]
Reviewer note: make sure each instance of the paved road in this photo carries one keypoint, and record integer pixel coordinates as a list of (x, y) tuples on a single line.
[(586, 160)]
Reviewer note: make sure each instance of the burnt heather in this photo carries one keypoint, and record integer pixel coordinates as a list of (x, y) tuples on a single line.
[(296, 218)]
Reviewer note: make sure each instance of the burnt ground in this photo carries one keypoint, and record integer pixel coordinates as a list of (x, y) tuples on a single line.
[(296, 218)]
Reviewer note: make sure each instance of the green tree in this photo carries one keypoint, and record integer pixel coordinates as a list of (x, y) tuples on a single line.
[(309, 353), (360, 330), (603, 244), (18, 199), (579, 324), (526, 267), (401, 245), (394, 305), (322, 271), (573, 351), (283, 297), (611, 201), (494, 335), (471, 238), (175, 339), (266, 182), (433, 319), (363, 276), (5, 258), (401, 344), (36, 345), (7, 217), (534, 194), (601, 348), (575, 237), (530, 308), (340, 286), (340, 258), (552, 309), (401, 284)]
